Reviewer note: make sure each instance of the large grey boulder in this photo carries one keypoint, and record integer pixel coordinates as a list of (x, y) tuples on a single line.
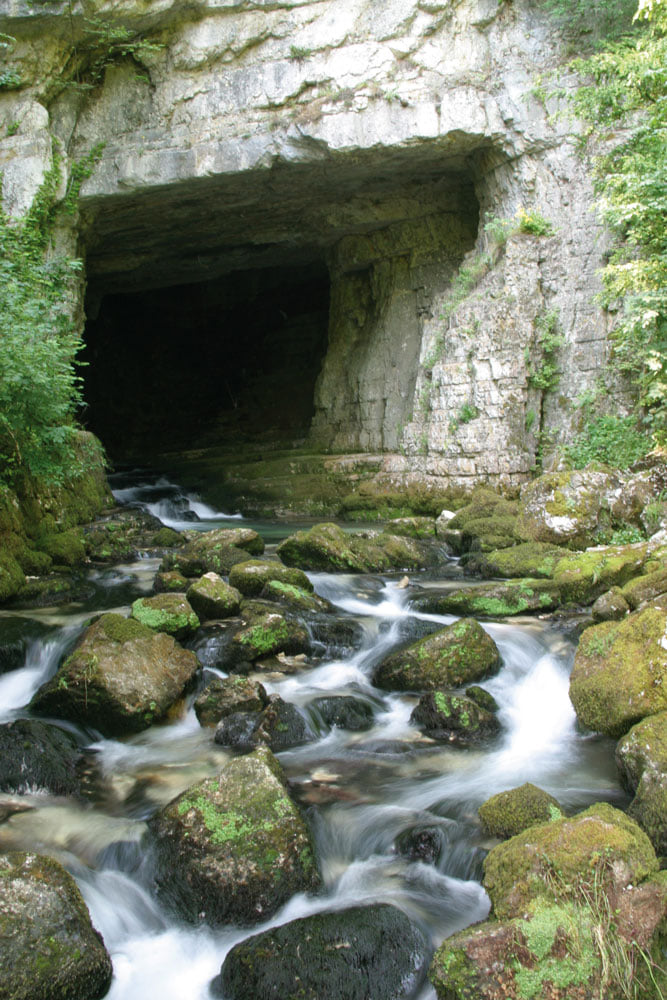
[(49, 949), (235, 848), (121, 677)]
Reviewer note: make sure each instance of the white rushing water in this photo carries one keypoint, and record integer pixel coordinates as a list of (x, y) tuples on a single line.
[(374, 785)]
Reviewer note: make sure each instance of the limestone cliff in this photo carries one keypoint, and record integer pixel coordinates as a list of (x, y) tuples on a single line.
[(377, 138)]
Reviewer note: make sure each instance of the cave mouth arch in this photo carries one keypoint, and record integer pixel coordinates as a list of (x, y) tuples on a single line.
[(273, 306), (233, 361)]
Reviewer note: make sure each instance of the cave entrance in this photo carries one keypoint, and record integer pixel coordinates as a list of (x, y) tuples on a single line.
[(232, 361), (271, 305)]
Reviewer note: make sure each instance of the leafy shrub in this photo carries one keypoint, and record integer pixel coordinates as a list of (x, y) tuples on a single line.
[(611, 440), (533, 223)]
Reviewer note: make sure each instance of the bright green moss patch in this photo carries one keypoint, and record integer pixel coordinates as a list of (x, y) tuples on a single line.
[(120, 629), (561, 939)]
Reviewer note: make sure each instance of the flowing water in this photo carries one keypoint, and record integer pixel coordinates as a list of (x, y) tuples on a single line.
[(361, 790)]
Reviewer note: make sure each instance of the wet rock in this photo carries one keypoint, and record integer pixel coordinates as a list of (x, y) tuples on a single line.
[(35, 755), (454, 655), (344, 711), (214, 552), (279, 726), (509, 813), (222, 697), (211, 597), (211, 644), (235, 848), (446, 716), (566, 508), (601, 838), (328, 547), (362, 953), (533, 560), (333, 637), (296, 598), (482, 698), (170, 583), (493, 600), (16, 635), (610, 607), (252, 576), (619, 672), (124, 534), (56, 588), (421, 843), (583, 576), (641, 757), (50, 949), (120, 678), (266, 632), (170, 613)]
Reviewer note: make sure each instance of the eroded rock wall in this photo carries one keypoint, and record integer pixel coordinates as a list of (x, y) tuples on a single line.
[(378, 138)]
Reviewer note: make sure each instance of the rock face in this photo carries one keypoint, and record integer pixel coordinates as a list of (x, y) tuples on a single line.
[(235, 848), (642, 760), (121, 677), (619, 672), (50, 949), (456, 654), (370, 143), (362, 953)]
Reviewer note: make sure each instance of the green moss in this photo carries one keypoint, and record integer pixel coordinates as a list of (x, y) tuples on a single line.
[(120, 629), (264, 639), (168, 613), (583, 576), (66, 548), (509, 813), (167, 538), (441, 703), (552, 929)]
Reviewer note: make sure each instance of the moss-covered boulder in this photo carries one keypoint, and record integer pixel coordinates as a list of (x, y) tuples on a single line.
[(485, 524), (50, 949), (121, 677), (454, 655), (610, 606), (601, 840), (500, 599), (509, 813), (641, 757), (645, 588), (583, 576), (620, 672), (565, 508), (66, 548), (411, 527), (559, 949), (443, 715), (327, 547), (532, 560), (34, 754), (12, 577), (344, 711), (224, 696), (482, 697), (171, 582), (251, 577), (126, 533), (295, 598), (210, 597), (170, 613), (279, 726), (362, 953), (235, 848), (214, 552), (266, 632)]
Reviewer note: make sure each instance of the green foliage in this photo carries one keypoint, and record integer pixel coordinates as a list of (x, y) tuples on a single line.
[(107, 42), (533, 223), (531, 417), (585, 23), (546, 375), (297, 53), (628, 88), (10, 80), (39, 387), (13, 127), (81, 170), (608, 439)]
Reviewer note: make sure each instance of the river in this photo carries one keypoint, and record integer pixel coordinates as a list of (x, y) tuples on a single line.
[(361, 790)]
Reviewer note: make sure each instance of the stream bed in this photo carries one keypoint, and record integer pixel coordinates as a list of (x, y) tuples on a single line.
[(361, 790)]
